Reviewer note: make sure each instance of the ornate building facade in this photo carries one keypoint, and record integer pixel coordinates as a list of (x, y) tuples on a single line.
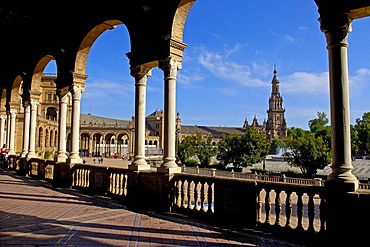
[(275, 127), (107, 137)]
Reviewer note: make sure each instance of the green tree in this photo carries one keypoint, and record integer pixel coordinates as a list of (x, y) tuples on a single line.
[(308, 152), (362, 129), (185, 149), (319, 127), (355, 150), (204, 149), (243, 150), (277, 143)]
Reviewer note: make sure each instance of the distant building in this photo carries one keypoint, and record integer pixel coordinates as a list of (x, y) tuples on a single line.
[(275, 127), (101, 136)]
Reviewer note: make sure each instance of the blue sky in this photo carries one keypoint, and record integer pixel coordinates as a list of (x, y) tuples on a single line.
[(228, 66)]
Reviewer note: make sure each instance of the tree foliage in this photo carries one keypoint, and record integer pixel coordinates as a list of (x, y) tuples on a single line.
[(308, 152), (319, 127), (198, 146), (243, 150), (185, 149), (361, 134), (204, 149)]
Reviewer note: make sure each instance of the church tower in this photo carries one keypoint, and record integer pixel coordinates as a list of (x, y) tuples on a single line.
[(276, 125)]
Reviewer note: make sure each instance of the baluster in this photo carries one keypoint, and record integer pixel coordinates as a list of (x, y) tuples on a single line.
[(259, 206), (267, 206), (121, 184), (288, 209), (300, 210), (209, 199), (114, 183), (125, 185), (192, 191), (79, 177), (204, 197), (185, 194), (74, 178), (88, 178), (178, 193), (322, 213), (111, 182), (198, 195), (277, 207), (311, 212), (83, 177)]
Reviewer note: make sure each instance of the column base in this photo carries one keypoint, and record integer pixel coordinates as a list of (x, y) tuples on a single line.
[(341, 186), (75, 161), (142, 167), (169, 170), (61, 157), (341, 179), (31, 155)]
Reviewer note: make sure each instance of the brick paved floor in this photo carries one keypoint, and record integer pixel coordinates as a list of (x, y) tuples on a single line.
[(32, 213)]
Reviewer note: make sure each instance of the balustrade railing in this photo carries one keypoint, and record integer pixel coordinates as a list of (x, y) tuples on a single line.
[(287, 206)]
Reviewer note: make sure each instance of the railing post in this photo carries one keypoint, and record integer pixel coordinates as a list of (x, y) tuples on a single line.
[(213, 172), (318, 181)]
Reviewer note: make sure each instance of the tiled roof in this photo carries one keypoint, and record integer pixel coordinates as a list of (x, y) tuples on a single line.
[(87, 118), (214, 131)]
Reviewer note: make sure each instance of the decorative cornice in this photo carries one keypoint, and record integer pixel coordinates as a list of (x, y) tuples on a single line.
[(177, 45)]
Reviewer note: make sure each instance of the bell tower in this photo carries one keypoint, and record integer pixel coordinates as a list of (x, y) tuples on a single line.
[(276, 125)]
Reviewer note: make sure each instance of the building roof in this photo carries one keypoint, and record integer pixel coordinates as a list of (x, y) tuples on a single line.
[(96, 120), (214, 131)]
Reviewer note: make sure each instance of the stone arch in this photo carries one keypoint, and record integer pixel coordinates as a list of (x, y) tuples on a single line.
[(180, 19), (36, 84), (85, 143), (87, 42), (16, 91)]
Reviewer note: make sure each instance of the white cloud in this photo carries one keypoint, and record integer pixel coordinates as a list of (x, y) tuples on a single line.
[(305, 83), (285, 37), (358, 80), (106, 89), (220, 66), (189, 79)]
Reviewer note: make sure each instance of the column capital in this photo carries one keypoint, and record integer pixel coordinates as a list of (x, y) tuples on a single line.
[(170, 66), (13, 112), (140, 71), (61, 92), (34, 104), (76, 91), (336, 28), (25, 103)]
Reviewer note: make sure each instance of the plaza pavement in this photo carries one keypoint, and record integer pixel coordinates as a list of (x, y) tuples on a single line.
[(33, 213)]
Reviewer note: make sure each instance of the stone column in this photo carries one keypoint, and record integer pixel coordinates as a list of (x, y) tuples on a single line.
[(2, 130), (31, 151), (336, 29), (62, 128), (26, 128), (141, 74), (7, 127), (13, 114), (170, 66), (75, 128)]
